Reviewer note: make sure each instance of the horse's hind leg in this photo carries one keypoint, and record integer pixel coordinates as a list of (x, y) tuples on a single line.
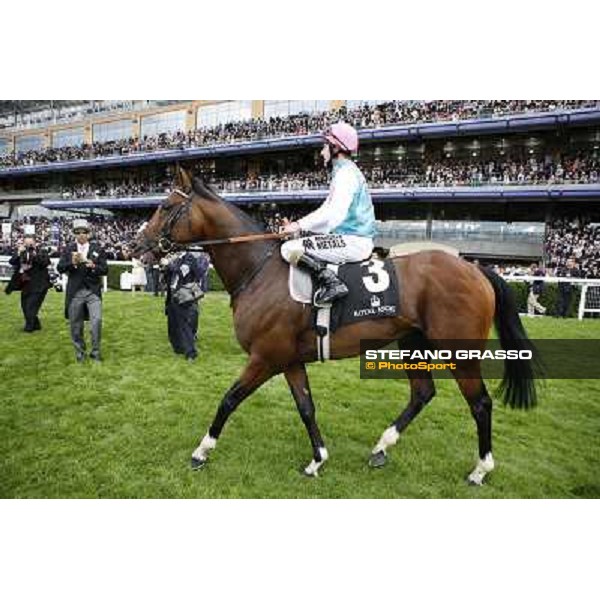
[(298, 381), (253, 376), (473, 389), (422, 390)]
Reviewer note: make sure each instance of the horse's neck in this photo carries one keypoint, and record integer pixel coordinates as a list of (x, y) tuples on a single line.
[(234, 262)]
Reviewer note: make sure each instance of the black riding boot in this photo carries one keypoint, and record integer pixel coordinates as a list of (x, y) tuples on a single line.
[(329, 286)]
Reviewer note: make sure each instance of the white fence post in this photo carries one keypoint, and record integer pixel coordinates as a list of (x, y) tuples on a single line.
[(581, 310)]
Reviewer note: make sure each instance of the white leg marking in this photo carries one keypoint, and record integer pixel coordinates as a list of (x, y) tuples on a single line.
[(313, 468), (206, 445), (482, 469), (389, 438)]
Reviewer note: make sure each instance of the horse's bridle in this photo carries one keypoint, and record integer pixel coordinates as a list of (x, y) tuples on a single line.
[(165, 243)]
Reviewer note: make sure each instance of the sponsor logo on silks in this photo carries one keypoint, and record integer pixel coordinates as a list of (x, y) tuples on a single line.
[(330, 242)]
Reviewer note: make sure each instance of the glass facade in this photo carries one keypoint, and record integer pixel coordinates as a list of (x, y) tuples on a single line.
[(114, 130), (402, 230), (224, 112), (67, 137), (29, 142), (493, 231), (283, 108), (168, 122)]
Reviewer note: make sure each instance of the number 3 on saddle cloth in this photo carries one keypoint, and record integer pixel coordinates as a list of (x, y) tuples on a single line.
[(373, 293)]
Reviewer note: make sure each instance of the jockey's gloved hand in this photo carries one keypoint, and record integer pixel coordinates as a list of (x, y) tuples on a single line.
[(292, 229)]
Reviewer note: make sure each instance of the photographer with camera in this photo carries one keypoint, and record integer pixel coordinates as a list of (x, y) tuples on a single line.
[(85, 263), (31, 277)]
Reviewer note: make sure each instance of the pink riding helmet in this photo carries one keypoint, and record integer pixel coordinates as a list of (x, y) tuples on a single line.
[(343, 135)]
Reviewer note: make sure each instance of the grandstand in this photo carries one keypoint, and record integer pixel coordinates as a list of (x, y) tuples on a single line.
[(501, 181)]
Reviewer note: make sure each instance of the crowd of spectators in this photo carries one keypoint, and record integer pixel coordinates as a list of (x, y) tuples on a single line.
[(474, 172), (114, 234), (398, 111), (112, 189), (576, 238), (365, 116), (285, 182), (405, 173)]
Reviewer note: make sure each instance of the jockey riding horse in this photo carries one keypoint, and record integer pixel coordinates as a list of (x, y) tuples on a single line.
[(344, 224)]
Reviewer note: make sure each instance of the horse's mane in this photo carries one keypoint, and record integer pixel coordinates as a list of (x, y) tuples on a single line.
[(206, 191)]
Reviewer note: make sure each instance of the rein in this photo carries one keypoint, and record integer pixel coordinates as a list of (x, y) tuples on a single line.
[(255, 237), (166, 245)]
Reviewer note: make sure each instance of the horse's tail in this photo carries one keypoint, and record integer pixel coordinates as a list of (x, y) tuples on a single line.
[(518, 383)]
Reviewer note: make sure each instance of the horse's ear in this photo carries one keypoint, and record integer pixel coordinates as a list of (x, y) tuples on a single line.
[(183, 181)]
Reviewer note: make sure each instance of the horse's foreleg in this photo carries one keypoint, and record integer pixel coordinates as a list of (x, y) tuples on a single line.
[(254, 375), (422, 390), (298, 381)]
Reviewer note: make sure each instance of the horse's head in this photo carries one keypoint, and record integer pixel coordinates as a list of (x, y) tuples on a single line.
[(170, 224)]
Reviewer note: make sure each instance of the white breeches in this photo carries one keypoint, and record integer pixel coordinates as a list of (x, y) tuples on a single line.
[(331, 248)]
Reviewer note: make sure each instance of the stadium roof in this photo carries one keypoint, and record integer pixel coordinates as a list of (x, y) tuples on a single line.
[(9, 107)]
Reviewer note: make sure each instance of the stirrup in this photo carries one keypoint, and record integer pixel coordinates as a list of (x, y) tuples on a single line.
[(337, 292)]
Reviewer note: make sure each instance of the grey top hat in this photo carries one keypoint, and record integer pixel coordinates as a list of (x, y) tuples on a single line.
[(81, 224)]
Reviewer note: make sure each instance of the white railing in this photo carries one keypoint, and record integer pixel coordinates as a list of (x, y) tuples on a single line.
[(590, 289)]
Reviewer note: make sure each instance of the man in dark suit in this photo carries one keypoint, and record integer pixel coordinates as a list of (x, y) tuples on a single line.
[(32, 278), (565, 289), (85, 264)]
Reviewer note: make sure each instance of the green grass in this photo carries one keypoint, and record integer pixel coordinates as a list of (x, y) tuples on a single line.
[(126, 428)]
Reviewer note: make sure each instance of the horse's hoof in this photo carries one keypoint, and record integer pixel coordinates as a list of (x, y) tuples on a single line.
[(378, 460), (197, 463), (474, 482), (310, 473)]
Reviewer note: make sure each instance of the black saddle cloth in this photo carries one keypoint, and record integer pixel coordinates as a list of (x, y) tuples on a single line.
[(373, 293)]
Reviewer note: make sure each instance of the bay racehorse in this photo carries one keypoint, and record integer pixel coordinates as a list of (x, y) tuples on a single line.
[(442, 297)]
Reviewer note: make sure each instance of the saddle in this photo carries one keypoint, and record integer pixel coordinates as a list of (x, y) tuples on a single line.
[(373, 293)]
